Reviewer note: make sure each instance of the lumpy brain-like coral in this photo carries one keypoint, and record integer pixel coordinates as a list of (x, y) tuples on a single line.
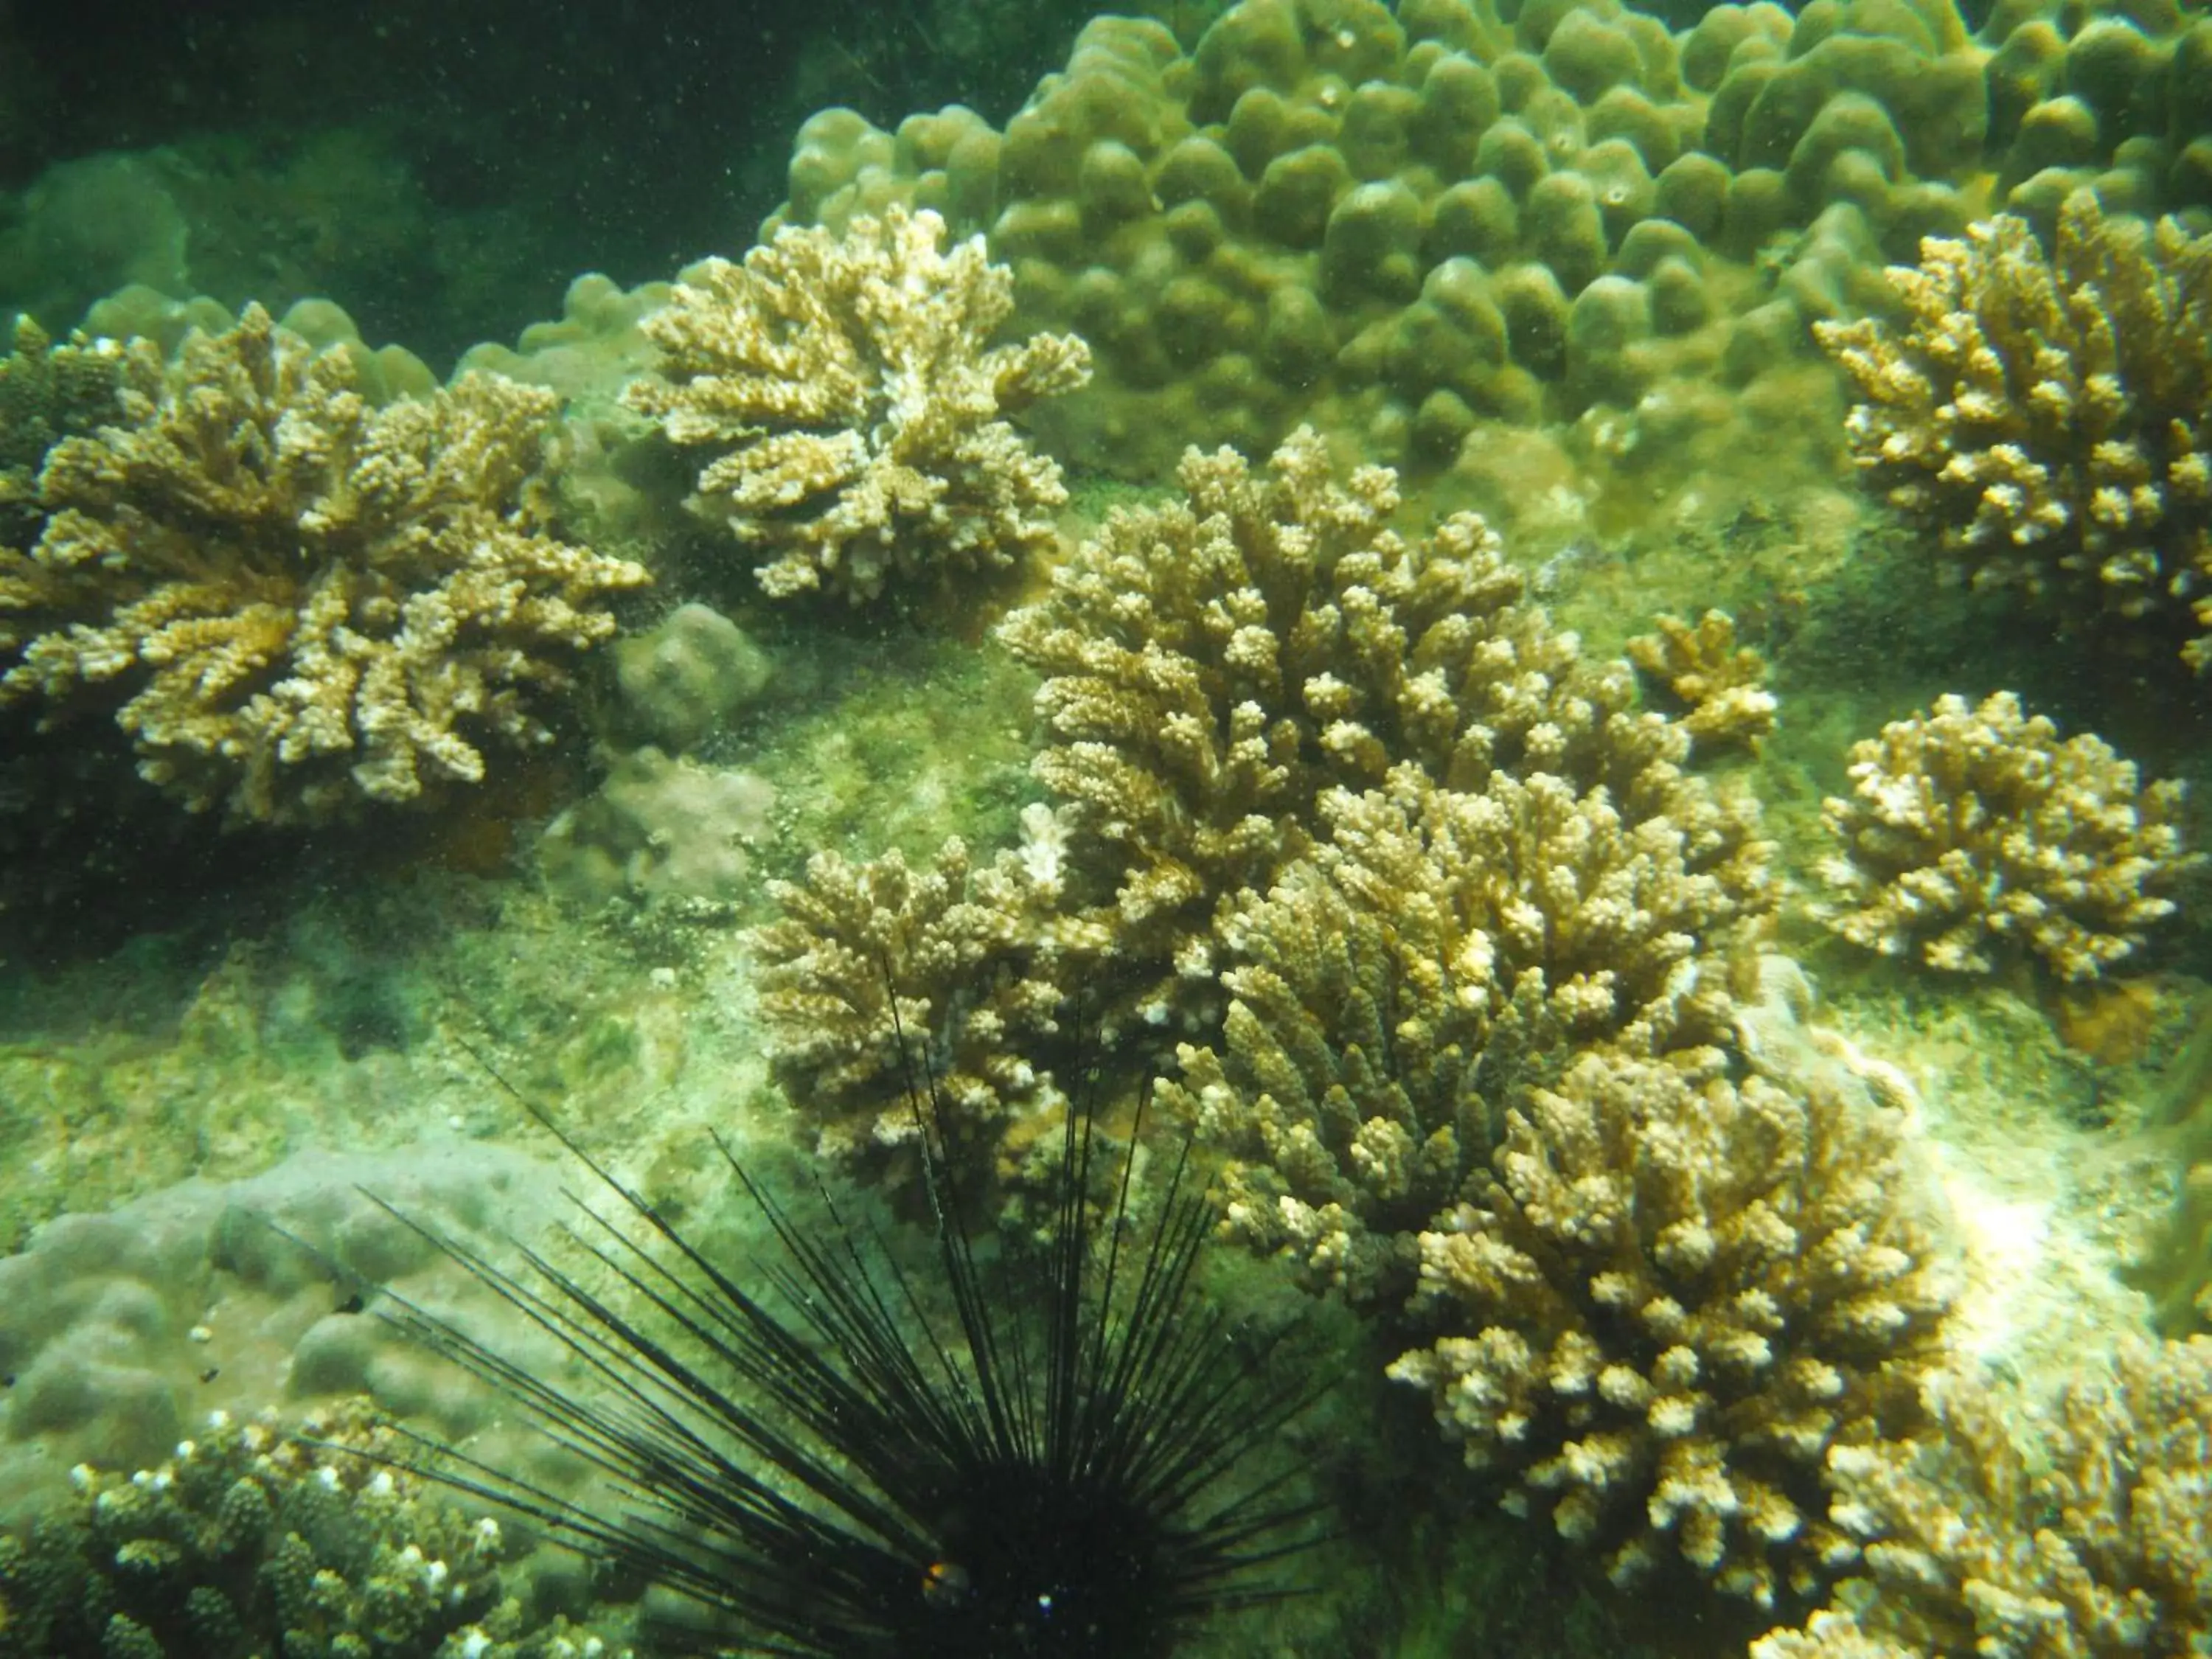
[(1971, 832), (314, 602), (854, 409), (1410, 220), (2049, 414)]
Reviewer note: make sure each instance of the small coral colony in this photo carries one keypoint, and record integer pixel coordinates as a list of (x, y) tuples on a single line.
[(1462, 960)]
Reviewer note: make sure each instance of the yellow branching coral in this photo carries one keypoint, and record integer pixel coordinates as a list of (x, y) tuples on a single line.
[(1678, 1291), (1213, 665), (48, 392), (1720, 685), (314, 602), (957, 963), (2052, 415), (855, 406), (1971, 832), (1439, 953), (2088, 1537)]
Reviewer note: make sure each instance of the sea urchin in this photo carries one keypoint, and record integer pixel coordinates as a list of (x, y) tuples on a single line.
[(1047, 1454)]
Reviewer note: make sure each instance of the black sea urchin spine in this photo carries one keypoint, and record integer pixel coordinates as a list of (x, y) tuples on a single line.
[(1057, 1469)]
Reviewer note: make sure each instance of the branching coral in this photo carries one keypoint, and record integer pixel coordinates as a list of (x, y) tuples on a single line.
[(1721, 686), (961, 965), (2090, 1539), (312, 602), (1974, 831), (1437, 955), (248, 1540), (2052, 415), (1214, 664), (854, 408), (48, 392), (1678, 1291)]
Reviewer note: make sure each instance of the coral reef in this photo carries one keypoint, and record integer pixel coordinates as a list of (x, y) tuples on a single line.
[(2046, 414), (122, 1329), (245, 1539), (2082, 1536), (659, 828), (1405, 222), (1226, 678), (1974, 832), (678, 683), (1215, 666), (853, 408), (1677, 1293), (1438, 955), (314, 603), (48, 392), (874, 969), (1719, 686)]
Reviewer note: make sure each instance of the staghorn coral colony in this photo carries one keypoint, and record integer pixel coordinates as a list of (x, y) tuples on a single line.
[(312, 601), (1261, 491)]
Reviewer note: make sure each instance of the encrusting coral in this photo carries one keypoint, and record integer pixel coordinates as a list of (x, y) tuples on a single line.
[(2084, 1537), (855, 409), (1678, 1293), (1721, 686), (1971, 832), (314, 602), (2051, 414)]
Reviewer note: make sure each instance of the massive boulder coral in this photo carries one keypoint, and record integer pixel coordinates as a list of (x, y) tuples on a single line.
[(1680, 1290), (1214, 664), (1437, 956), (314, 603), (854, 409), (2050, 415), (1973, 832), (1409, 219), (2086, 1533)]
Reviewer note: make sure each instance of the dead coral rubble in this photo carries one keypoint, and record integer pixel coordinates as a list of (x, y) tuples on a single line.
[(854, 409), (313, 603)]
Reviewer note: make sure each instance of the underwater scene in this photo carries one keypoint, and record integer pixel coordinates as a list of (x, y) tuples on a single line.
[(1304, 828)]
